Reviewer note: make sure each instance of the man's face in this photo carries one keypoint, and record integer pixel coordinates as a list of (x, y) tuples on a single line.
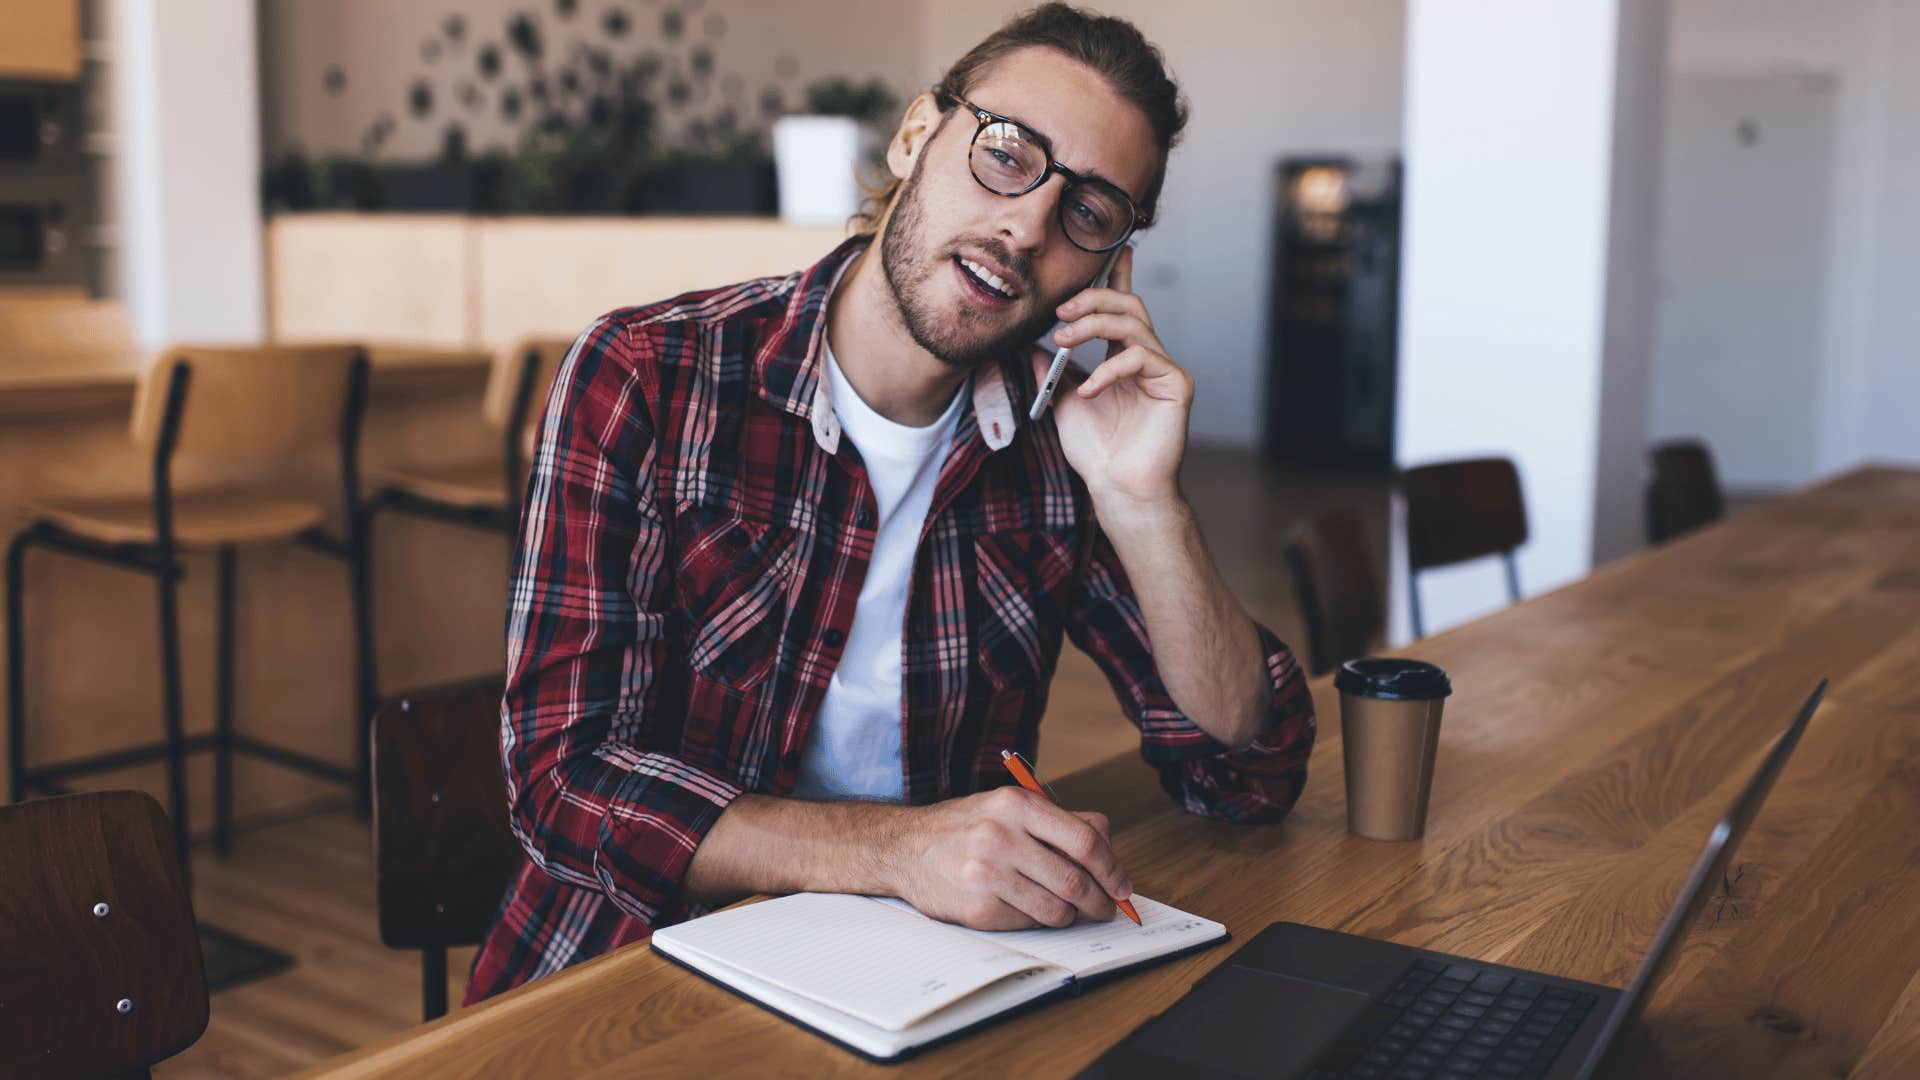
[(944, 216)]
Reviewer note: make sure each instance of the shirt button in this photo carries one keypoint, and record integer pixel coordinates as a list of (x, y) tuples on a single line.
[(864, 518), (833, 638), (736, 538), (790, 761)]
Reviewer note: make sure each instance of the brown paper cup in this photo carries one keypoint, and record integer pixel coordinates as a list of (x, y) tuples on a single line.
[(1390, 731)]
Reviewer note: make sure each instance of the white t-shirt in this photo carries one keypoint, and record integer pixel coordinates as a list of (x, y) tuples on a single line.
[(853, 750)]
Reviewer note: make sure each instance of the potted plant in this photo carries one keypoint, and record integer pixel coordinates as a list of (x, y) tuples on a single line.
[(817, 154)]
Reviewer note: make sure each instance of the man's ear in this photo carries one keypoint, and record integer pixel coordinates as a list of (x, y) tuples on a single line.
[(917, 128)]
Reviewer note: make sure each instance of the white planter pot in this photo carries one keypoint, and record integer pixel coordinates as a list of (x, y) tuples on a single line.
[(815, 158)]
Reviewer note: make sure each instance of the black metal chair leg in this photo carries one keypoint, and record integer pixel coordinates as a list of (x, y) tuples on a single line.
[(223, 710), (433, 982), (16, 669), (366, 686), (174, 711), (1513, 576), (1413, 604)]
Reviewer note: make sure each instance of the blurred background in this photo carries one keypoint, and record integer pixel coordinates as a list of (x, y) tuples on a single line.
[(1396, 234)]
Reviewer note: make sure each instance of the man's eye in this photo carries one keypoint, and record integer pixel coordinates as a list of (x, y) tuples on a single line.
[(1001, 157), (1089, 214)]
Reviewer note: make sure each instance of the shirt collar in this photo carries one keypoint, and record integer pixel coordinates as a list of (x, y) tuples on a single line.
[(790, 371)]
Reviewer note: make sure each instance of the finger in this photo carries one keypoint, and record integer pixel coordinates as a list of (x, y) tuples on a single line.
[(1036, 901), (1125, 329), (1075, 839), (1089, 301), (1066, 882), (1000, 915), (1098, 821), (1122, 276), (1157, 376)]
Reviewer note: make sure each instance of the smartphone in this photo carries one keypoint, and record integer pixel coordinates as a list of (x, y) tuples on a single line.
[(1061, 354)]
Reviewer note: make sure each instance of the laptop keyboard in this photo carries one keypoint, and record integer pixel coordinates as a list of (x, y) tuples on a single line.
[(1457, 1020)]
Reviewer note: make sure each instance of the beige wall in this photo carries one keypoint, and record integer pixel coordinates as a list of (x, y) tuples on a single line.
[(378, 46)]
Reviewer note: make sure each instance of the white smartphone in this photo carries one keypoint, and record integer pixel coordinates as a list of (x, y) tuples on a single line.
[(1061, 354)]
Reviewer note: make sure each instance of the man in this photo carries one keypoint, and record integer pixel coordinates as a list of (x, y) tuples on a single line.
[(795, 567)]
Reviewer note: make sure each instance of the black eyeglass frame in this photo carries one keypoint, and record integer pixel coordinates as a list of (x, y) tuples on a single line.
[(987, 117)]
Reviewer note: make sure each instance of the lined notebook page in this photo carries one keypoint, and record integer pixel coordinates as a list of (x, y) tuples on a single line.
[(879, 964), (1090, 948)]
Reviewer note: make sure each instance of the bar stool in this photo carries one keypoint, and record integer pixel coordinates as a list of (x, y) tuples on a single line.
[(486, 494), (1460, 510), (482, 495), (222, 404), (102, 973)]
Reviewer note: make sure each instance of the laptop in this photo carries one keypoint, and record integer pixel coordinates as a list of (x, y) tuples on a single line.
[(1297, 1001)]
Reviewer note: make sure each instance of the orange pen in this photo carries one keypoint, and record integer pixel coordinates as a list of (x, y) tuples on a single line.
[(1017, 765)]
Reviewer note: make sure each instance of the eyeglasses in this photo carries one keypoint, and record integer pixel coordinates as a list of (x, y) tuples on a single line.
[(1009, 158)]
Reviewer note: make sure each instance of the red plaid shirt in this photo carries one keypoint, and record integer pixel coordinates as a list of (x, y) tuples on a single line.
[(693, 543)]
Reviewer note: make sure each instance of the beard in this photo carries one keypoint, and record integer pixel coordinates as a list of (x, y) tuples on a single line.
[(966, 338)]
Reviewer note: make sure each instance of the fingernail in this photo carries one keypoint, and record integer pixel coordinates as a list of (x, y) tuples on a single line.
[(1126, 890)]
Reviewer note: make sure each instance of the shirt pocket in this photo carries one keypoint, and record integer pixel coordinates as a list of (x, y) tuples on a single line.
[(1023, 581), (733, 579)]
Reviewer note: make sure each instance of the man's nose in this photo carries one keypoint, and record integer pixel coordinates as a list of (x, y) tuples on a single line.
[(1024, 220)]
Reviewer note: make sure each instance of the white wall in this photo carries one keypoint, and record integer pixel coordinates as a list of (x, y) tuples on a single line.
[(1869, 352), (186, 103), (1742, 308), (1633, 214), (1266, 79), (1523, 328)]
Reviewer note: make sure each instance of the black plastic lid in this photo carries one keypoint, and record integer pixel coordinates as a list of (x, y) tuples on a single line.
[(1393, 678)]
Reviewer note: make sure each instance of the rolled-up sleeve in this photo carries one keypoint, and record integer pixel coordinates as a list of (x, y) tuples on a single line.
[(586, 633), (1253, 784)]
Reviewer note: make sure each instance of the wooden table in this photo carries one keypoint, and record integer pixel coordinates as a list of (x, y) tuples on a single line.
[(1595, 735)]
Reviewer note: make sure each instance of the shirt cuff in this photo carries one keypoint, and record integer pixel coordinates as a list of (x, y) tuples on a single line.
[(657, 817)]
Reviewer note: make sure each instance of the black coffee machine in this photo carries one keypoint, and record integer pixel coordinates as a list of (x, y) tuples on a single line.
[(46, 199)]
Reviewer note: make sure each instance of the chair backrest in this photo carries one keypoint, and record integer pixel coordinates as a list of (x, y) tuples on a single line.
[(100, 969), (250, 402), (542, 356), (1332, 565), (1460, 510), (442, 847), (1684, 493)]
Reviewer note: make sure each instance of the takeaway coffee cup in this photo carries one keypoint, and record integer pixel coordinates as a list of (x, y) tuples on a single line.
[(1390, 729)]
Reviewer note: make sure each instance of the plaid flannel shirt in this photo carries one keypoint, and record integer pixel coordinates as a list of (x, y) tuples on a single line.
[(692, 546)]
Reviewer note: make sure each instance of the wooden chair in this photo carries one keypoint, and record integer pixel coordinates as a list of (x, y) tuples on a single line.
[(1461, 510), (486, 494), (100, 968), (1332, 566), (226, 405), (442, 846), (1684, 493)]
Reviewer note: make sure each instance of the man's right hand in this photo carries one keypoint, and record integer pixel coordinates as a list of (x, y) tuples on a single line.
[(1008, 859)]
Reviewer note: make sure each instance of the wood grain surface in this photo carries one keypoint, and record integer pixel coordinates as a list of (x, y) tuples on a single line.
[(1595, 734)]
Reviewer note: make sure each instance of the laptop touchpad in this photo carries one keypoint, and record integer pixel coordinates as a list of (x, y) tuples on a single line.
[(1247, 1022)]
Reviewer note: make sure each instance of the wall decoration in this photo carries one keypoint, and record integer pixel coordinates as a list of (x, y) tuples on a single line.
[(558, 106)]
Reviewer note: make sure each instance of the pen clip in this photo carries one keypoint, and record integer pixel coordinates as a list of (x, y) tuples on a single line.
[(1031, 771)]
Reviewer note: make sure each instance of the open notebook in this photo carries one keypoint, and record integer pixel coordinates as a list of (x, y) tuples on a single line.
[(883, 980)]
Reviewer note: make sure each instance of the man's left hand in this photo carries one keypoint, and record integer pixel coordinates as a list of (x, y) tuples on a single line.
[(1124, 428)]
